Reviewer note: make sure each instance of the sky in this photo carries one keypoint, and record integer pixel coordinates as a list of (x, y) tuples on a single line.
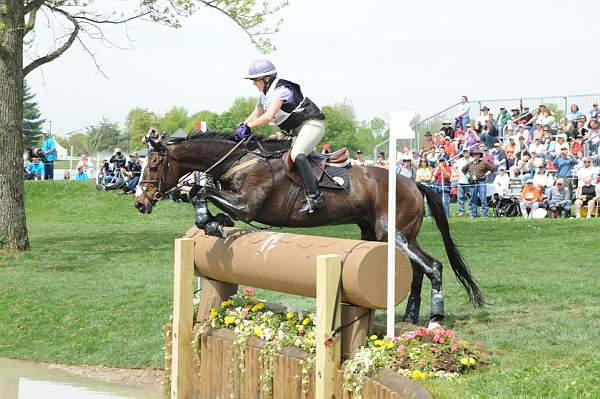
[(382, 56)]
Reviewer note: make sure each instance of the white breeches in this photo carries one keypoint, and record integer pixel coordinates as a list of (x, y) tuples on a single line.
[(309, 134)]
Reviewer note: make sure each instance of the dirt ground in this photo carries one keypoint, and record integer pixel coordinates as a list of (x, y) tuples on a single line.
[(138, 377)]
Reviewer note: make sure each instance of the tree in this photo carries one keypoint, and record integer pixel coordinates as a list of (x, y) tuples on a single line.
[(340, 127), (84, 22), (238, 112), (102, 137), (32, 121), (198, 117), (137, 123), (174, 119)]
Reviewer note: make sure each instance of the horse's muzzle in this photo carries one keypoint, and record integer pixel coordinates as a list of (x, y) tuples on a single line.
[(143, 205)]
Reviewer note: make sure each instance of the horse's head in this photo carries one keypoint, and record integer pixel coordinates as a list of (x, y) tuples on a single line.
[(155, 180)]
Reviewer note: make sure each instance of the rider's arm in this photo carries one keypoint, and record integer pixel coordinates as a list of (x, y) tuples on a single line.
[(266, 117), (258, 111)]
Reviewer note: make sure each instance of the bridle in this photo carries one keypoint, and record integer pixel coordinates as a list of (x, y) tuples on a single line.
[(156, 182)]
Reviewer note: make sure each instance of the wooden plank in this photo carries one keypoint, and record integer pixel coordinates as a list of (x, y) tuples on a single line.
[(204, 361), (212, 295), (354, 335), (328, 357), (196, 367), (183, 292), (217, 369), (227, 369)]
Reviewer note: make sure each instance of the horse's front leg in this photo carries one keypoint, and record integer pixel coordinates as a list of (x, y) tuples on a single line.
[(236, 204)]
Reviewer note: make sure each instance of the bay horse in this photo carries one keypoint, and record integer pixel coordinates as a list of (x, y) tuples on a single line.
[(254, 186)]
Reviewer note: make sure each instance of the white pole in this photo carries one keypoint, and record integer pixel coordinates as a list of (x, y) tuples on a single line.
[(391, 224), (399, 129)]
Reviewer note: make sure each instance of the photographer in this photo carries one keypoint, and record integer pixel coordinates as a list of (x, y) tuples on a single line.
[(35, 170), (118, 160), (133, 171)]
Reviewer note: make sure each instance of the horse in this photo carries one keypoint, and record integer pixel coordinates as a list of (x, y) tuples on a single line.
[(254, 186)]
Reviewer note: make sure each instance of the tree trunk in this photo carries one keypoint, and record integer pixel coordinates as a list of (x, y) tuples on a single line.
[(13, 229)]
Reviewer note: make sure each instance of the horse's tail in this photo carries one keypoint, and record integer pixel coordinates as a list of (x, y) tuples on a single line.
[(456, 261)]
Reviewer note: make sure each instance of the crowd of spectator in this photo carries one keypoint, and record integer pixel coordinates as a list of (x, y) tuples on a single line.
[(533, 151)]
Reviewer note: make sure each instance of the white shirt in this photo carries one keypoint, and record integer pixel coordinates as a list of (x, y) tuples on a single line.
[(502, 181), (545, 180)]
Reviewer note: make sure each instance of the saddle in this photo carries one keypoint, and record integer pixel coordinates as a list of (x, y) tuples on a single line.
[(320, 163)]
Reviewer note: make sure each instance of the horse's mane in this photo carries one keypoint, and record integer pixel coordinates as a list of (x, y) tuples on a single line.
[(229, 136)]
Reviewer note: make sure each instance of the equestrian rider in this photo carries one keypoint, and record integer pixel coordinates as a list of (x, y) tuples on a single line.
[(282, 103)]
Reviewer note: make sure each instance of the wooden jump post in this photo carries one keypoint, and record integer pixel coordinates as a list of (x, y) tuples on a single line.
[(183, 314)]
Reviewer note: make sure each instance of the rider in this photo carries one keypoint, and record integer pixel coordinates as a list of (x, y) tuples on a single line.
[(282, 103)]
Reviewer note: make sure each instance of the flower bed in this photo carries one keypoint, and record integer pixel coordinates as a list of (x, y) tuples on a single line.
[(418, 354)]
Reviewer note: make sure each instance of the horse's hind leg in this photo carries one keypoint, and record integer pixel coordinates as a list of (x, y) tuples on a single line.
[(432, 268), (413, 305)]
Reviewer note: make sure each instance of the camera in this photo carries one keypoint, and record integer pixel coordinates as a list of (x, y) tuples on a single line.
[(119, 153)]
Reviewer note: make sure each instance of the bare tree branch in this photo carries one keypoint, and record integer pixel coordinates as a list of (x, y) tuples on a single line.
[(32, 5), (59, 51), (122, 21), (93, 57)]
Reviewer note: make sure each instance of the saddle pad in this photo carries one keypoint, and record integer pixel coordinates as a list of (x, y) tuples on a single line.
[(335, 177)]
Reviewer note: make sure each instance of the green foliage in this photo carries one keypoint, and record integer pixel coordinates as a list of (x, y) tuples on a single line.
[(32, 118), (137, 123), (103, 137), (174, 119), (343, 130), (238, 112), (198, 117)]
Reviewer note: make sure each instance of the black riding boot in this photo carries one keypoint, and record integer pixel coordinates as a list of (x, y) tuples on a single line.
[(314, 199)]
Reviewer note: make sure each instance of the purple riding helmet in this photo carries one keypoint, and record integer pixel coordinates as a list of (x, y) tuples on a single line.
[(261, 68)]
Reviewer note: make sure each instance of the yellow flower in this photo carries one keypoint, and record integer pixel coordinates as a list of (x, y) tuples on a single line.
[(373, 337), (310, 335), (258, 331), (464, 361), (300, 328), (389, 345), (306, 321), (213, 313), (290, 315), (258, 307), (226, 303), (416, 374), (471, 361), (378, 342), (229, 320)]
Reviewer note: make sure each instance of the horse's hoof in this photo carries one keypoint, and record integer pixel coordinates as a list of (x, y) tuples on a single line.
[(433, 325)]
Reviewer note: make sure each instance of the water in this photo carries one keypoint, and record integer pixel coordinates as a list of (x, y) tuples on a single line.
[(26, 380)]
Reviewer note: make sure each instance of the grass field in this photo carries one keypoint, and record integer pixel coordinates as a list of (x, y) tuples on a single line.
[(96, 288)]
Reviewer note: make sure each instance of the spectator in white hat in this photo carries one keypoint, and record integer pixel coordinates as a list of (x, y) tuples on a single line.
[(502, 181)]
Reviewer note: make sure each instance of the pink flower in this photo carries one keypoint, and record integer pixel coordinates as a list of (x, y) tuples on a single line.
[(434, 349), (441, 340), (453, 348), (249, 291), (401, 348), (245, 313), (477, 345)]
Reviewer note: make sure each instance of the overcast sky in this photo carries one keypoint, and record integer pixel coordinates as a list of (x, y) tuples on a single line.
[(381, 55)]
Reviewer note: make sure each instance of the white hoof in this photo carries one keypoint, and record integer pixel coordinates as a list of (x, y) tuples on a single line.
[(433, 325)]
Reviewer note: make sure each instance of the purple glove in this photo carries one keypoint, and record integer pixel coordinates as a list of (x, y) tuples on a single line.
[(242, 131)]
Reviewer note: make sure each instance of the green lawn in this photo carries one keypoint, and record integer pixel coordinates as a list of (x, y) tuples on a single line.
[(96, 288)]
